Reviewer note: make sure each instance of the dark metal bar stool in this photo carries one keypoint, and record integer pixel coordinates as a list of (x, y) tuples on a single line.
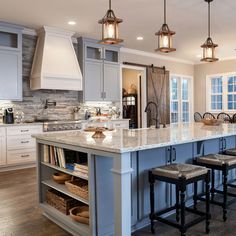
[(223, 163), (180, 175)]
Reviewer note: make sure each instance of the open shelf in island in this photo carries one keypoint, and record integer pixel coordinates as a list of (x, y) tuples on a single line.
[(65, 221), (67, 171), (62, 188)]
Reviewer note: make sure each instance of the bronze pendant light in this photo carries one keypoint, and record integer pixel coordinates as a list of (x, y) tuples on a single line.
[(165, 42), (110, 31), (209, 46)]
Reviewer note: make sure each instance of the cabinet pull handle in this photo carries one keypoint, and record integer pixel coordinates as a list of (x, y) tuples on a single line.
[(225, 145), (24, 130), (169, 152), (24, 142), (25, 155), (174, 152), (105, 94)]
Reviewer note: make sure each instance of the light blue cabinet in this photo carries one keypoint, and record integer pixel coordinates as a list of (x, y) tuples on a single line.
[(101, 70), (10, 62)]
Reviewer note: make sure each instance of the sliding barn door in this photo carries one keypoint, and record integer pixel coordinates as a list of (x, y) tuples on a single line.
[(158, 91)]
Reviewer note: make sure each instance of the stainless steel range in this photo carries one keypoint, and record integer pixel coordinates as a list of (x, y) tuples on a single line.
[(50, 126)]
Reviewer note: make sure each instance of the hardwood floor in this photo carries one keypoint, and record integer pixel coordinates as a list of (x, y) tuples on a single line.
[(19, 211), (21, 216)]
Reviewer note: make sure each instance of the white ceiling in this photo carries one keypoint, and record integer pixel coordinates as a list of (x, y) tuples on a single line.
[(141, 17)]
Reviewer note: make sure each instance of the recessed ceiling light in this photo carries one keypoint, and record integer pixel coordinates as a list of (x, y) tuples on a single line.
[(71, 22), (139, 38)]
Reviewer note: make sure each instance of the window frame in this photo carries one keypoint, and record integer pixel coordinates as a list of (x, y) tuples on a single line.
[(225, 92), (180, 100)]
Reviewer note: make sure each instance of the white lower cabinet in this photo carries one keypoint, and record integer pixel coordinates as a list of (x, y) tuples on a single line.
[(17, 147), (2, 147)]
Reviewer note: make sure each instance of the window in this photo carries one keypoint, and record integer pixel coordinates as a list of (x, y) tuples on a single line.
[(222, 95), (180, 99)]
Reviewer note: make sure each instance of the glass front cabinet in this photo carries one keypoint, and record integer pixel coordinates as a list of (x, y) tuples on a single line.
[(101, 70)]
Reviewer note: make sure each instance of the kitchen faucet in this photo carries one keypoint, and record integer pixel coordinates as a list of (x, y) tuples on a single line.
[(157, 120)]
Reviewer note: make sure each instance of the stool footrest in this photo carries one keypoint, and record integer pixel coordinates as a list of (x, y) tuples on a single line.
[(159, 213), (195, 211), (232, 185)]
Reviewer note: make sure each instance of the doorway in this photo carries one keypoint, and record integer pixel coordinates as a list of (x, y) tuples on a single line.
[(134, 95)]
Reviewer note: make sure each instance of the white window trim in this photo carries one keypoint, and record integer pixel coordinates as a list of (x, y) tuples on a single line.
[(224, 94), (191, 97)]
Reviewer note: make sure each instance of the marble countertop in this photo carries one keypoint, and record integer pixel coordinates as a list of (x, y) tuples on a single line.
[(124, 140)]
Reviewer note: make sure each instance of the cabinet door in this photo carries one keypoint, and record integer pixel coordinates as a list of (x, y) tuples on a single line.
[(112, 91), (93, 81), (147, 160), (10, 75), (2, 151)]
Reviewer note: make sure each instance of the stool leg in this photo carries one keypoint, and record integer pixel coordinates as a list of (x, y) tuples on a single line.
[(225, 180), (207, 202), (182, 207), (195, 196), (212, 184), (152, 204), (177, 202)]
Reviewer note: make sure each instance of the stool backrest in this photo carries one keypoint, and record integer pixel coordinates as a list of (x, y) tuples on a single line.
[(197, 117), (224, 117), (208, 115)]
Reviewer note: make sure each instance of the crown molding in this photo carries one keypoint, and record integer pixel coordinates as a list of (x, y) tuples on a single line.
[(154, 55)]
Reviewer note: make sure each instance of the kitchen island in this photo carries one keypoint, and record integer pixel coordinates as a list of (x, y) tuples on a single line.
[(118, 167)]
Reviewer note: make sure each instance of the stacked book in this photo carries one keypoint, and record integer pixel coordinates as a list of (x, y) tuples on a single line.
[(81, 169), (54, 156)]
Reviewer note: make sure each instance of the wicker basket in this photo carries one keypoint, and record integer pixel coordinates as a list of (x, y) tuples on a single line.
[(79, 187), (60, 201), (80, 214)]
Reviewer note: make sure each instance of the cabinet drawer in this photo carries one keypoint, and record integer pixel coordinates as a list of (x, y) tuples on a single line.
[(23, 130), (20, 142), (21, 156), (2, 132)]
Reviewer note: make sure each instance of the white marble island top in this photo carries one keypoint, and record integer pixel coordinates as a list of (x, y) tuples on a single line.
[(123, 140)]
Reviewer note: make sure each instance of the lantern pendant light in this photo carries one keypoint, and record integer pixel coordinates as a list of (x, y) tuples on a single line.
[(110, 31), (165, 43), (209, 46)]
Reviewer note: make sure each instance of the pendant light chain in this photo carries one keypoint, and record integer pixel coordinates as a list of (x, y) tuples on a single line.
[(209, 19), (109, 4), (164, 11)]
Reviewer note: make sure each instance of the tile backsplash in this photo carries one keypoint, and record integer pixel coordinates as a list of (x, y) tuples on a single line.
[(34, 101)]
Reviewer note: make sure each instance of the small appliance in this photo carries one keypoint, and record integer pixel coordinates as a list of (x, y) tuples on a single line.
[(8, 117)]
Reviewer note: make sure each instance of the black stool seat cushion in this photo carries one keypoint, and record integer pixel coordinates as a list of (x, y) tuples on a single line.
[(231, 152), (177, 171), (217, 159)]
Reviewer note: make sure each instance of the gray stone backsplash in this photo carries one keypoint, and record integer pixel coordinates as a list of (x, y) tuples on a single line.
[(34, 101)]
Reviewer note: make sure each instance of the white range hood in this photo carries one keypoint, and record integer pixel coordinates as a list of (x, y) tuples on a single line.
[(55, 65)]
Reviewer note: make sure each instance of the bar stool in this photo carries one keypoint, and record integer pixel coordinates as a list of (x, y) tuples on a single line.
[(223, 163), (180, 175)]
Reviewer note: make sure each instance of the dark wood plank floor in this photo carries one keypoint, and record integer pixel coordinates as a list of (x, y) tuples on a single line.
[(21, 216)]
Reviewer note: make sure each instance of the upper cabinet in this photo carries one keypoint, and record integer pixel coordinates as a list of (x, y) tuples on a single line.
[(101, 70), (10, 62)]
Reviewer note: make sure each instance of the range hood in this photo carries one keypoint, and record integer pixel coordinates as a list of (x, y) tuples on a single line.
[(55, 65)]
